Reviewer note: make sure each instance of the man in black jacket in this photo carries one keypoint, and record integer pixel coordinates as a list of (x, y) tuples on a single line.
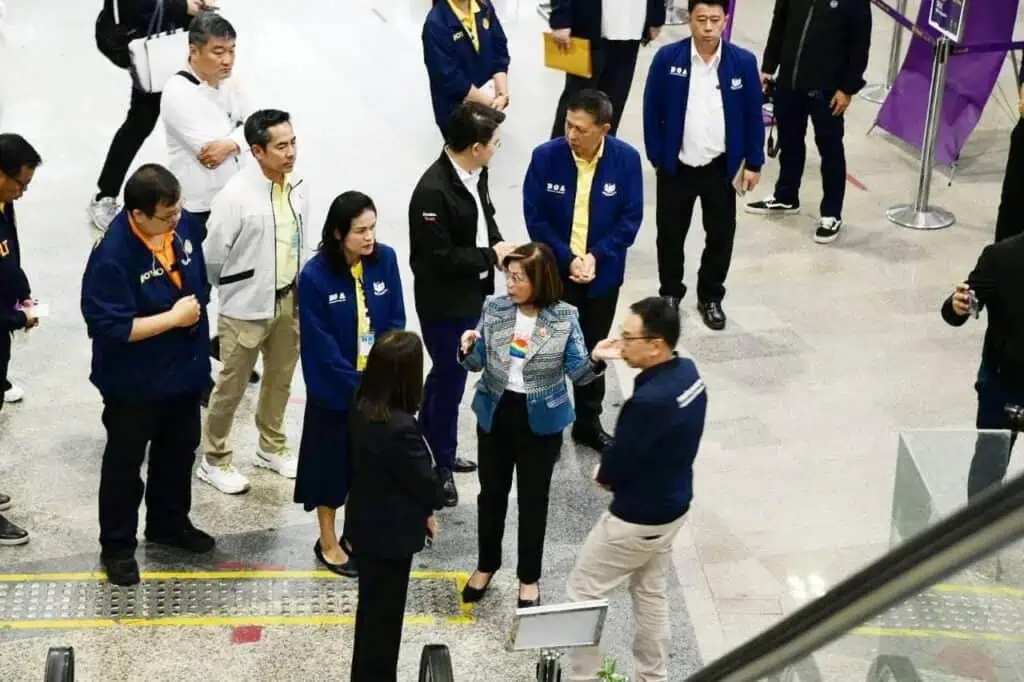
[(1010, 220), (820, 49), (144, 107), (454, 246), (997, 284), (615, 29), (18, 163)]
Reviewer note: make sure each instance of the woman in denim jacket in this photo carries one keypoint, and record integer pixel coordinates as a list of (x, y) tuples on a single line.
[(526, 344)]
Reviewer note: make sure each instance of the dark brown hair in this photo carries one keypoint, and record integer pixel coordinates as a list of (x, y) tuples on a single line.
[(393, 378), (541, 268)]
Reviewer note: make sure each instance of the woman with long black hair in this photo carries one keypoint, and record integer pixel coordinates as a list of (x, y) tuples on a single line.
[(350, 293)]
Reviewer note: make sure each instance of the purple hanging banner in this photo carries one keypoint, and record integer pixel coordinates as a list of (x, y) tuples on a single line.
[(970, 79)]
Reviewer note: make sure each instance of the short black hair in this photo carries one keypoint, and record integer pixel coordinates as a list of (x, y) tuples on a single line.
[(258, 125), (393, 378), (472, 123), (345, 208), (151, 186), (209, 25), (724, 4), (593, 102), (17, 154), (660, 318)]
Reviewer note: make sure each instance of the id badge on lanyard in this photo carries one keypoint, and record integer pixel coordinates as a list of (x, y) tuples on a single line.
[(365, 344)]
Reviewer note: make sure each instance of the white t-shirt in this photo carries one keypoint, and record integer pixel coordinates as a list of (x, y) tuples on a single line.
[(518, 349), (623, 19)]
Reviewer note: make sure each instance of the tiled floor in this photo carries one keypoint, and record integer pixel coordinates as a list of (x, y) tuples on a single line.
[(830, 350)]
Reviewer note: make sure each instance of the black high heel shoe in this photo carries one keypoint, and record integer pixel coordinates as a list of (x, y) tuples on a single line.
[(347, 569), (471, 595), (529, 603)]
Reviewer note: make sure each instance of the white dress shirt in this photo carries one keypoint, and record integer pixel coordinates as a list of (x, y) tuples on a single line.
[(623, 19), (704, 130), (471, 179), (195, 115)]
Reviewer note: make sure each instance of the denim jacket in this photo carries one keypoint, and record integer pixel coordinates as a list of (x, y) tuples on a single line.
[(556, 350)]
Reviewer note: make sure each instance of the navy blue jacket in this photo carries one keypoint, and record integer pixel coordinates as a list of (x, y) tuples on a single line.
[(14, 286), (583, 17), (649, 465), (616, 206), (453, 66), (123, 281), (327, 321), (665, 99)]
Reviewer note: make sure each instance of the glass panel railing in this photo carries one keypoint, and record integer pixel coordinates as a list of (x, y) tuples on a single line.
[(946, 603)]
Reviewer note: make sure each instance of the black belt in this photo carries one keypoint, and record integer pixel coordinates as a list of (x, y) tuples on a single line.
[(284, 291)]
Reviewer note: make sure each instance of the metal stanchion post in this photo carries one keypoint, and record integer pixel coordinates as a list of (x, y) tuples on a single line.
[(549, 666), (675, 16), (877, 93), (920, 215), (544, 9)]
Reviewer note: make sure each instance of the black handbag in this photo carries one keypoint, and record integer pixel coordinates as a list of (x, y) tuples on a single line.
[(111, 38)]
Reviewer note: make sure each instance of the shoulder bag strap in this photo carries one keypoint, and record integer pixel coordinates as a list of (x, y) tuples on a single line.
[(157, 20), (188, 76)]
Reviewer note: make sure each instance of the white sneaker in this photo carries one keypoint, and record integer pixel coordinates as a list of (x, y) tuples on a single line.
[(15, 394), (223, 477), (284, 462), (102, 212)]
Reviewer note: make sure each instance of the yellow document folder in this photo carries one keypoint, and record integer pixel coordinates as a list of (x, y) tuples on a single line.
[(575, 61)]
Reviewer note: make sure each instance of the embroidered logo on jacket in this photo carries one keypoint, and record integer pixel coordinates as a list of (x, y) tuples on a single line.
[(458, 36), (737, 84), (609, 189), (380, 288), (5, 249), (556, 188), (679, 71), (336, 298)]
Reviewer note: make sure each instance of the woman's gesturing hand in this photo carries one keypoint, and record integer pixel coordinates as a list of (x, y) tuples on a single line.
[(469, 339)]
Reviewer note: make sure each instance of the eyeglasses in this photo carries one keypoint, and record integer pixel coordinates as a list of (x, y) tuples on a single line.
[(19, 183), (517, 278), (627, 337), (169, 220)]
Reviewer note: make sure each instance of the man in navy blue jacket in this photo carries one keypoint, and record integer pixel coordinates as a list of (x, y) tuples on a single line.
[(615, 29), (18, 163), (704, 134), (649, 471), (584, 197), (144, 298)]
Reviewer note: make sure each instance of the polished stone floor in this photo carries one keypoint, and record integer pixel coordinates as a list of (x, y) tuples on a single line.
[(829, 353)]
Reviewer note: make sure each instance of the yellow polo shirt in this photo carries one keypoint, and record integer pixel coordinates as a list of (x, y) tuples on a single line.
[(468, 20), (581, 210), (362, 317), (286, 233)]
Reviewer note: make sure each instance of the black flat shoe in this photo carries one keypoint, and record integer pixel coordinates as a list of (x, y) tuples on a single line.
[(190, 539), (347, 569), (11, 534), (464, 466), (122, 570), (529, 603), (451, 493), (591, 435), (471, 595)]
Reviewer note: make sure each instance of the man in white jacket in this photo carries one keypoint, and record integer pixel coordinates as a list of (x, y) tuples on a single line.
[(204, 113), (254, 251)]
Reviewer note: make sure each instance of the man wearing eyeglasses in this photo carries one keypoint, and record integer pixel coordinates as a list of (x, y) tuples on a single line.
[(18, 163), (649, 471), (144, 298)]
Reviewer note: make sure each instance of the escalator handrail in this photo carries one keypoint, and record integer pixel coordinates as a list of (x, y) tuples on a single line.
[(990, 522)]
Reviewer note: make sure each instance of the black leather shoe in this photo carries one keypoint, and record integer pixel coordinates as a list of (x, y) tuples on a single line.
[(712, 314), (529, 603), (471, 595), (5, 502), (347, 569), (122, 570), (11, 534), (464, 466), (674, 300), (451, 493), (591, 435), (190, 539)]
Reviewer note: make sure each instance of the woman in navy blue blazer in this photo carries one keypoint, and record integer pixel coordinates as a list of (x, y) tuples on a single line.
[(350, 294), (466, 53)]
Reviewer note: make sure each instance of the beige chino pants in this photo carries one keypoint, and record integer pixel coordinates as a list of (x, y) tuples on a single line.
[(616, 552), (241, 343)]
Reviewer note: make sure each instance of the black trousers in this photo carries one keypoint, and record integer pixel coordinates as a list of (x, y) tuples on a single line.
[(596, 317), (1010, 220), (143, 112), (677, 195), (614, 62), (171, 430), (5, 363), (991, 451), (792, 110), (512, 446), (383, 585)]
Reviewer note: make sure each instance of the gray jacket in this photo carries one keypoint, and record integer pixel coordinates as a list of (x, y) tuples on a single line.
[(241, 249)]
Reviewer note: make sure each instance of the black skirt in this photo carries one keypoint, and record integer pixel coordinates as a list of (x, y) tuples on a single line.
[(325, 471)]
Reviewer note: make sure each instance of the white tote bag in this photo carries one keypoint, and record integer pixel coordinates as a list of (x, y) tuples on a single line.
[(159, 55)]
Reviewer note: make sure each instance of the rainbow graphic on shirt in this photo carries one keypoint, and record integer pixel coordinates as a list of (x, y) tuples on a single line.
[(517, 349)]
